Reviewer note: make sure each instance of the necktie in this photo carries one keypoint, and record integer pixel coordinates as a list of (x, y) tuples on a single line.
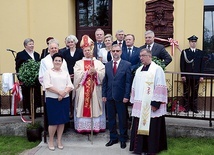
[(115, 67), (149, 47), (120, 44), (129, 52), (99, 45)]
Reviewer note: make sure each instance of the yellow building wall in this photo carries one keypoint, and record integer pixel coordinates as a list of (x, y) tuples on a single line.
[(130, 17), (39, 19), (36, 19)]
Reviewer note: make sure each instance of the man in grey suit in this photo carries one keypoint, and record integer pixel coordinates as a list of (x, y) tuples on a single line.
[(158, 50), (116, 93)]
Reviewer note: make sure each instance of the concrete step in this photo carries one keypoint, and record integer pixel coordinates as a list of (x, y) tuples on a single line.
[(176, 127)]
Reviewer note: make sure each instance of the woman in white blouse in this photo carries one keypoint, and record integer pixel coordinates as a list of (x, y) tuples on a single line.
[(103, 52), (57, 85)]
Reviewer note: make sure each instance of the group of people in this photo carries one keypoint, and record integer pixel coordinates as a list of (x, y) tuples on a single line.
[(97, 79)]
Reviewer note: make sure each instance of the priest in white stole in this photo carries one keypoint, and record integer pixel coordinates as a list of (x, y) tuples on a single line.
[(149, 98)]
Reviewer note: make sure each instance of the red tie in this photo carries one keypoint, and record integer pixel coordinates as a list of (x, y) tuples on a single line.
[(115, 67)]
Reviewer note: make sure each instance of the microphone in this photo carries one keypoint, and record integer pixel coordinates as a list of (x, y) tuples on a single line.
[(11, 50)]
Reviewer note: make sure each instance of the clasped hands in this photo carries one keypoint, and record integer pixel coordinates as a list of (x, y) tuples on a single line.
[(61, 95), (92, 71)]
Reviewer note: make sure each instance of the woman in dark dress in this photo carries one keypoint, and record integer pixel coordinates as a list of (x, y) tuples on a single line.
[(72, 55), (57, 99)]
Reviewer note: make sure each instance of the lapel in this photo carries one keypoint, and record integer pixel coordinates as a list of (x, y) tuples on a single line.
[(27, 55), (111, 68), (36, 56), (154, 48), (190, 54), (134, 53), (120, 66)]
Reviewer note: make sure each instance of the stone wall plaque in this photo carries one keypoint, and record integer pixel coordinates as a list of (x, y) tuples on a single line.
[(159, 18)]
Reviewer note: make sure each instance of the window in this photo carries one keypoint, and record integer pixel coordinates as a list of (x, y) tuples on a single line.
[(93, 14), (208, 44)]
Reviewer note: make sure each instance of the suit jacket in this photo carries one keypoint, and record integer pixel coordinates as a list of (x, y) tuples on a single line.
[(78, 55), (44, 53), (22, 57), (96, 50), (196, 66), (134, 59), (123, 45), (63, 50), (159, 51), (118, 86)]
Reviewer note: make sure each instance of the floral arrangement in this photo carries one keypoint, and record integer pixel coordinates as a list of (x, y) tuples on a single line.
[(29, 72)]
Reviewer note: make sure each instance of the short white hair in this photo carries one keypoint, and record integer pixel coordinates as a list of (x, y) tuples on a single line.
[(53, 41), (119, 31), (72, 38), (150, 32)]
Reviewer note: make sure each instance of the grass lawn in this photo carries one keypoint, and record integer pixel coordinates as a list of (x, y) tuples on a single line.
[(189, 146), (13, 145)]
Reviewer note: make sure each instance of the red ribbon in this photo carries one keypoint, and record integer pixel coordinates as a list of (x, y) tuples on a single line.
[(173, 44)]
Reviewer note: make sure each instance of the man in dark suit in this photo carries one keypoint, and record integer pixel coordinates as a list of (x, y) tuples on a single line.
[(191, 61), (120, 35), (158, 50), (99, 43), (131, 52), (116, 93), (22, 57)]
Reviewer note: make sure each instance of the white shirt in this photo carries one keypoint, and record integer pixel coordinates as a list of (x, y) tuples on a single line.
[(31, 54), (46, 64), (131, 49), (150, 46), (52, 78), (193, 49), (118, 61), (103, 54)]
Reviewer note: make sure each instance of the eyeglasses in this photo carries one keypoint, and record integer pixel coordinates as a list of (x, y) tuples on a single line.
[(143, 55), (115, 51)]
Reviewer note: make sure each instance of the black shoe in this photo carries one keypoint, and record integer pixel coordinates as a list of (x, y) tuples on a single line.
[(123, 145), (111, 142)]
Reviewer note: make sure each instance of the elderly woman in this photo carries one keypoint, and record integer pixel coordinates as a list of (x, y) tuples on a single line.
[(23, 57), (57, 99), (104, 53), (88, 75), (72, 55)]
